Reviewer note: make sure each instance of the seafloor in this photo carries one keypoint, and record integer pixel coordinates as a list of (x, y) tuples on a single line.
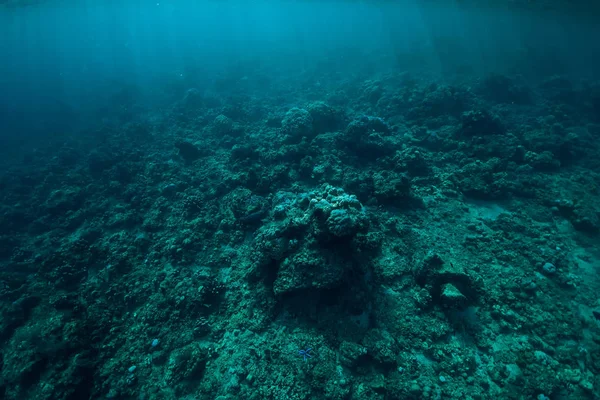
[(317, 236)]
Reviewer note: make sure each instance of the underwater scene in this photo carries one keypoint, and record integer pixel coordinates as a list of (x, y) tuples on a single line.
[(299, 200)]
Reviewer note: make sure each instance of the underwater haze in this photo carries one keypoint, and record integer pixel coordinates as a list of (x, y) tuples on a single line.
[(299, 200), (65, 57)]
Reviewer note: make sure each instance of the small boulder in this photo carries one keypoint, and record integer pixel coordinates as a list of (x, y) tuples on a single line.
[(451, 297)]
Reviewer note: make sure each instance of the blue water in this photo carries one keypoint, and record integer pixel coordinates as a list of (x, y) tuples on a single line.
[(65, 55)]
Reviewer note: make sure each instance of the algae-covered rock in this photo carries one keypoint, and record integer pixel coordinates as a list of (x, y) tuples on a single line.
[(297, 244), (308, 270), (447, 282), (450, 296), (480, 123), (351, 353), (297, 123), (325, 118)]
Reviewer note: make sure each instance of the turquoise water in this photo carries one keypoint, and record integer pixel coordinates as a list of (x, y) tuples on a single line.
[(299, 200)]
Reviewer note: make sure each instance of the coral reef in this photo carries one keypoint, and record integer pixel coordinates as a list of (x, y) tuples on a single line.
[(389, 236)]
